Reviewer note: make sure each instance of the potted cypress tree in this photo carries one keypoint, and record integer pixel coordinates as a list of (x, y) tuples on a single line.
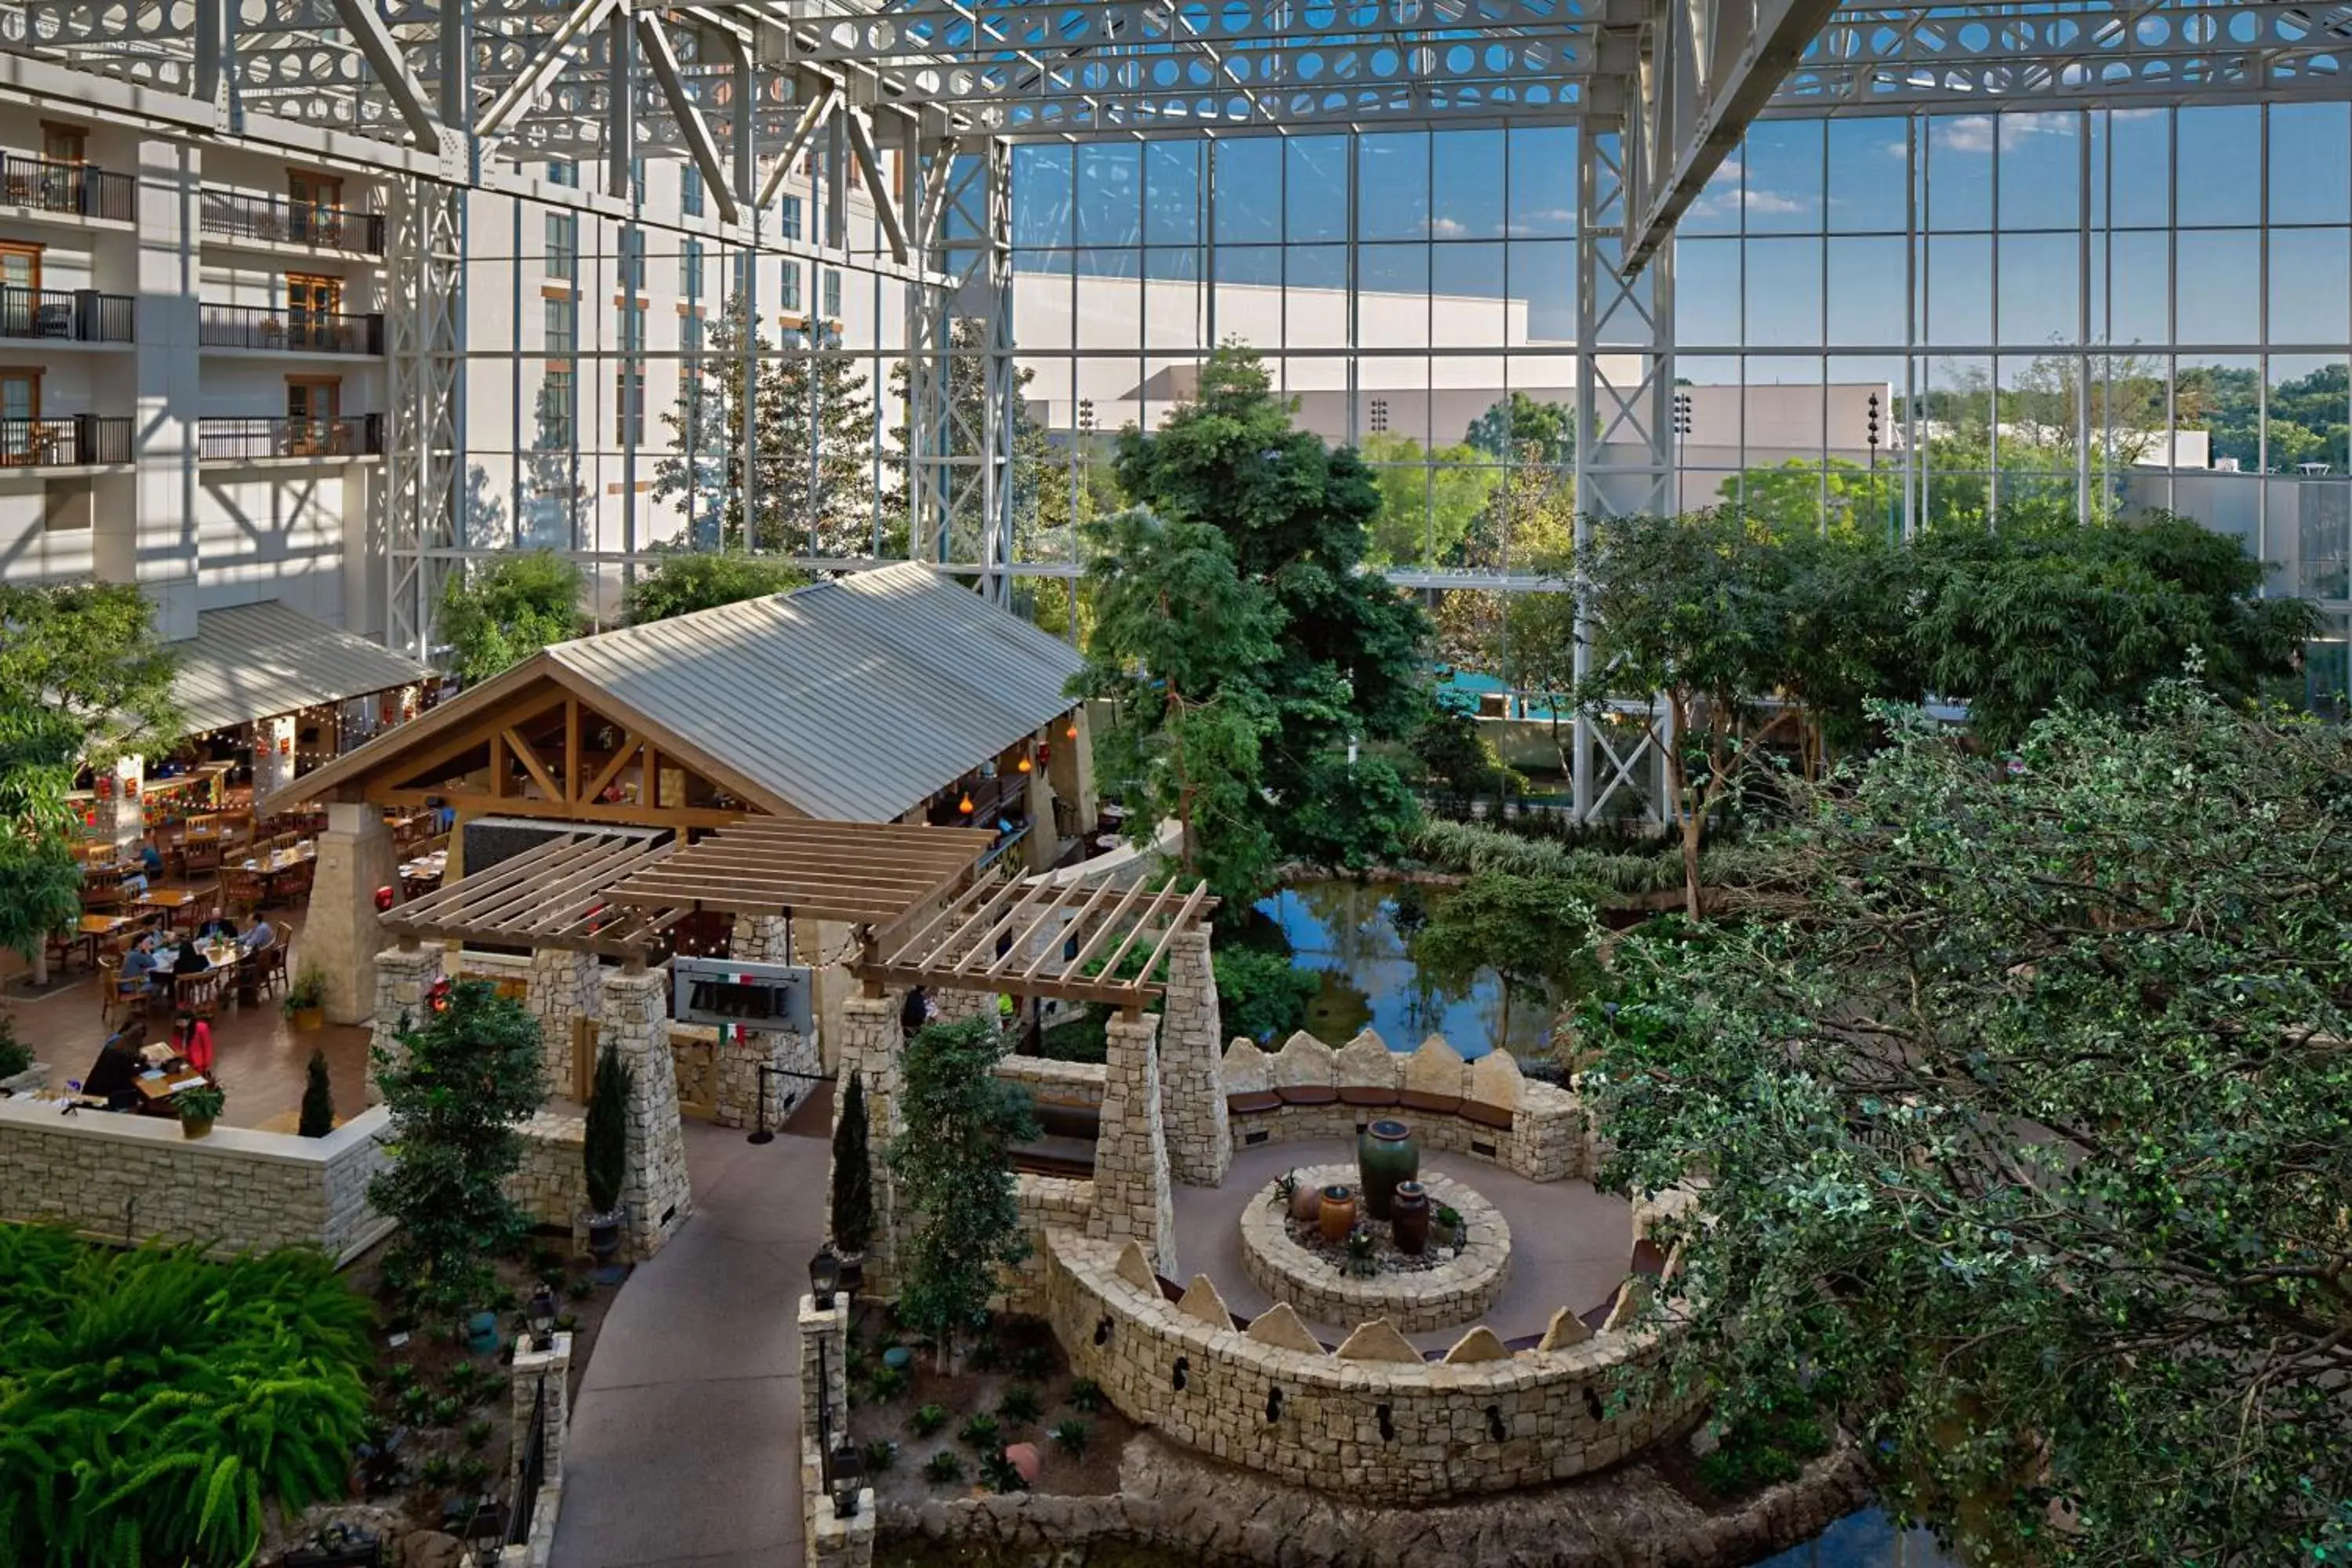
[(317, 1100), (852, 1184), (604, 1154)]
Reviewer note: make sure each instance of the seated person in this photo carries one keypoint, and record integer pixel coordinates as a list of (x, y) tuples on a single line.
[(190, 961), (134, 883), (151, 860), (220, 928), (139, 964), (260, 936), (112, 1076), (192, 1042)]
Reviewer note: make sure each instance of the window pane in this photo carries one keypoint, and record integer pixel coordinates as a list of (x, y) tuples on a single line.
[(1392, 187), (2139, 159), (2218, 289), (1959, 289), (2310, 160), (1109, 193), (1171, 193), (2309, 270), (1706, 292), (2220, 150), (1041, 197), (1543, 181), (1784, 293), (1543, 276), (2140, 287), (1865, 299), (1868, 166), (1467, 185), (2040, 171), (1782, 164), (1248, 189), (2040, 284), (1316, 188), (1959, 171)]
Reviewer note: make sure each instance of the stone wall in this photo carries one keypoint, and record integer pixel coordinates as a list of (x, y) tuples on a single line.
[(136, 1177), (740, 1055), (403, 975), (869, 1048), (1046, 1203), (1191, 1072), (1373, 1422), (1133, 1201), (551, 1186), (657, 1195), (562, 987), (1080, 1083)]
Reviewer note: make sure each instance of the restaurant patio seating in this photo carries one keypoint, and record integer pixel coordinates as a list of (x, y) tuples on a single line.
[(241, 890), (268, 964), (199, 994), (204, 856)]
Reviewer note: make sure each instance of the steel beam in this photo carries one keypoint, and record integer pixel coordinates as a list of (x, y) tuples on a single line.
[(663, 58), (391, 69), (582, 21)]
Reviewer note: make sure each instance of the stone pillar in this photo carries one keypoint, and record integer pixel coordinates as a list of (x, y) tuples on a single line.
[(561, 989), (761, 939), (1131, 1197), (870, 1048), (1071, 767), (657, 1194), (825, 1379), (1044, 844), (1191, 1065), (122, 813), (403, 975), (533, 1371), (341, 931), (273, 759), (953, 1006)]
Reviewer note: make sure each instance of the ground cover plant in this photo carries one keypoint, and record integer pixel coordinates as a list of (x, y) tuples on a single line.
[(154, 1403)]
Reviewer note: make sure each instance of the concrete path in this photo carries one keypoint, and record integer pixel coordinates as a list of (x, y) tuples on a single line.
[(1569, 1243), (685, 1443)]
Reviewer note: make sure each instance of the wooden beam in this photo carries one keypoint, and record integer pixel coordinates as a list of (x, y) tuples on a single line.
[(1084, 955), (629, 745), (1102, 891), (571, 747), (476, 733), (1058, 904), (499, 766), (1192, 905), (1134, 995), (528, 758), (625, 816), (1110, 964)]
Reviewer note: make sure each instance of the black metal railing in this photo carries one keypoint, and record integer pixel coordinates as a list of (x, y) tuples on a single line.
[(534, 1470), (81, 314), (70, 441), (66, 188), (239, 214), (297, 331), (240, 439)]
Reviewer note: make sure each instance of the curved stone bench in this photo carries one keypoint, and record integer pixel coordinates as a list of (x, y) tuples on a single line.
[(1483, 1108)]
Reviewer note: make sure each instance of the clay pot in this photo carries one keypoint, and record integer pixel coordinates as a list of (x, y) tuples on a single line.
[(1409, 1217), (1385, 1155), (1306, 1202), (1337, 1216)]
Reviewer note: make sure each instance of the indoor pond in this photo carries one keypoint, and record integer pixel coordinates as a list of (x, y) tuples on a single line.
[(1865, 1540), (1347, 931)]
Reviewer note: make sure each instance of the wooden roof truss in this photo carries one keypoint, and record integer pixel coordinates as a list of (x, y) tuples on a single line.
[(1078, 941)]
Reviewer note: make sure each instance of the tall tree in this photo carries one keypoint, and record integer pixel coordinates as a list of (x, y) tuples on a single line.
[(954, 1168), (1532, 932), (1519, 429), (2026, 1133), (1349, 648), (684, 581), (458, 1084), (508, 610), (1180, 645), (852, 1209)]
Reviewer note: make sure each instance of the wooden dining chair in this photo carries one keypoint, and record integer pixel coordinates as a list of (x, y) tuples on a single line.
[(203, 858), (199, 994), (240, 891)]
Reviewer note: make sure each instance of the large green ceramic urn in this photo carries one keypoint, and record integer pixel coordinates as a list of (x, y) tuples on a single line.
[(1385, 1155)]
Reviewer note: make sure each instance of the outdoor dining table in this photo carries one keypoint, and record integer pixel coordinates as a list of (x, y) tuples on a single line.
[(174, 901), (160, 1087), (279, 863), (96, 929), (424, 870)]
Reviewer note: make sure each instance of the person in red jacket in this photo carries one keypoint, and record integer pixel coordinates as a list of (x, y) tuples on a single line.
[(194, 1040)]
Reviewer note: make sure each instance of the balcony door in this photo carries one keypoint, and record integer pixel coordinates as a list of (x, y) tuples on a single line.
[(313, 404), (313, 304), (20, 289), (317, 203), (20, 414)]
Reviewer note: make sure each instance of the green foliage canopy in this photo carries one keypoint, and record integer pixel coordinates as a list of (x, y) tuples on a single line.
[(690, 580), (508, 610), (853, 1171), (1530, 931), (153, 1404), (2030, 1126), (460, 1083), (605, 1141)]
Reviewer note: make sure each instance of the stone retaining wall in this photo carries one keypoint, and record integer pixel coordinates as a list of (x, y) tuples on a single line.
[(1078, 1082), (1457, 1290), (1045, 1202), (119, 1178), (1374, 1422), (551, 1185)]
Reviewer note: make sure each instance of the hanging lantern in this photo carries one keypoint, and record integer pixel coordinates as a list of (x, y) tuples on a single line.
[(1026, 765), (105, 787), (1045, 752), (130, 788), (383, 900), (285, 745), (964, 804), (1072, 732)]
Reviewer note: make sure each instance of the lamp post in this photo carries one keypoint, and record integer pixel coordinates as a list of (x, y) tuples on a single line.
[(824, 1278), (846, 1466), (1872, 438), (541, 1315), (1681, 435)]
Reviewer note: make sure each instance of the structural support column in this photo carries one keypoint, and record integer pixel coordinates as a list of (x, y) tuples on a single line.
[(1070, 767), (541, 1381), (1133, 1201), (561, 989), (656, 1194), (870, 1050), (122, 815), (341, 931), (403, 975), (830, 1539), (273, 755), (1191, 1065)]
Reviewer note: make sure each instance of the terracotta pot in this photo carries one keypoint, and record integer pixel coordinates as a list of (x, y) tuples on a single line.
[(191, 1127), (309, 1019), (1385, 1155), (1337, 1215), (1306, 1202), (1409, 1217)]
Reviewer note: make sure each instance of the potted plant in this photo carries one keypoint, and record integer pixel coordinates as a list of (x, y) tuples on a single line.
[(305, 999), (199, 1108), (604, 1154)]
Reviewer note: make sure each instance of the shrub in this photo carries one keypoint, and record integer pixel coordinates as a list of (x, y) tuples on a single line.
[(943, 1467), (880, 1455), (473, 1471), (477, 1431), (1086, 1395), (447, 1409), (605, 1149), (317, 1099), (155, 1402), (15, 1055), (853, 1172), (1033, 1362), (926, 1419), (1070, 1436), (886, 1384), (981, 1431), (1002, 1474), (1019, 1406)]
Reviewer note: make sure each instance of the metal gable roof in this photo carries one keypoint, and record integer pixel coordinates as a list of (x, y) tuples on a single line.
[(853, 700), (256, 661)]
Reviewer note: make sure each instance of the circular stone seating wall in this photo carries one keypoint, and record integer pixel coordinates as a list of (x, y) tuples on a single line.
[(1458, 1290), (1483, 1108), (1372, 1420)]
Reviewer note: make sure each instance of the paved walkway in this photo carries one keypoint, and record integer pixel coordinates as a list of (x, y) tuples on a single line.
[(1569, 1243), (685, 1445)]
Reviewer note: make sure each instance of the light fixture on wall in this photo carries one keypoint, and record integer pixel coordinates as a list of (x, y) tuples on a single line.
[(1072, 732), (964, 804), (1026, 765)]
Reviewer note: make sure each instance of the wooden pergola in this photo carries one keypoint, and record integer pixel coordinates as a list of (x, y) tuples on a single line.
[(1071, 940), (620, 894)]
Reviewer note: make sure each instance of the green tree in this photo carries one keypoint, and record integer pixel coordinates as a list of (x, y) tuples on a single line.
[(40, 882), (1519, 429), (2026, 1131), (318, 1118), (605, 1141), (456, 1085), (503, 612), (1833, 496), (1428, 499), (954, 1166), (1532, 932), (1261, 994), (1348, 655), (686, 581), (853, 1172), (1178, 646)]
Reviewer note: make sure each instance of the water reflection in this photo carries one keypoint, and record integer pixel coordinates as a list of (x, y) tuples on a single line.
[(1865, 1540), (1347, 931)]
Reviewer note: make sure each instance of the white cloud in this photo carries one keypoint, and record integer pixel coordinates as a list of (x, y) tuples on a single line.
[(1976, 132), (1446, 228), (1774, 202)]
